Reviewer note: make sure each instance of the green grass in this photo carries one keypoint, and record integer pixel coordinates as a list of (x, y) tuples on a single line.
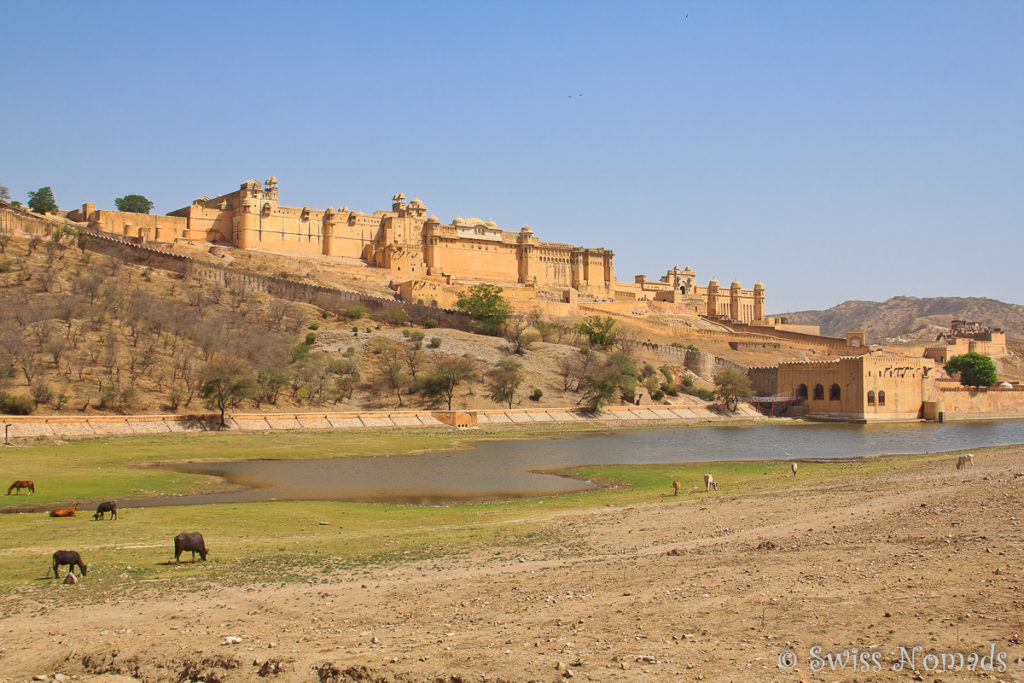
[(285, 541)]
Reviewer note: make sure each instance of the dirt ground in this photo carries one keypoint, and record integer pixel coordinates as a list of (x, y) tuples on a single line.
[(716, 589)]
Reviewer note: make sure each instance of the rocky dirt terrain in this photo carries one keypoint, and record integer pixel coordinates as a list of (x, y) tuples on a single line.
[(716, 588)]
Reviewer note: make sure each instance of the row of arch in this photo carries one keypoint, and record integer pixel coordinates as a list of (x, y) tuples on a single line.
[(835, 393)]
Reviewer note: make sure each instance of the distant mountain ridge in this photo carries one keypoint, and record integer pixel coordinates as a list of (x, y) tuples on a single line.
[(911, 317)]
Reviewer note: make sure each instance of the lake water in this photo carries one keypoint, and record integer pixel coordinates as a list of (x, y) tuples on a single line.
[(507, 469)]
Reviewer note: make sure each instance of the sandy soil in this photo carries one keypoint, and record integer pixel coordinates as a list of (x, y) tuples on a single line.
[(665, 590)]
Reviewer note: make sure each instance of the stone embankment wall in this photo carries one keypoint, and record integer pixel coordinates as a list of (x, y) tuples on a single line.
[(961, 403), (20, 428)]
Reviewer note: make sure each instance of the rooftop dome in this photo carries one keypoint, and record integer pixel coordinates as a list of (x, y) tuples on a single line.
[(735, 284), (758, 285), (416, 203), (714, 281), (433, 219)]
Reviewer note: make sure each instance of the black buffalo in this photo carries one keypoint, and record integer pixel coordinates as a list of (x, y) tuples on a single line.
[(70, 558), (106, 507), (190, 542)]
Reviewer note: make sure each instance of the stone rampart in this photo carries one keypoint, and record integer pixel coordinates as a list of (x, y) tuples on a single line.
[(129, 250)]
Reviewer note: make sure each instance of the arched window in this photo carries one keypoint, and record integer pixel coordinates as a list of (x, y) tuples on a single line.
[(871, 398), (801, 392), (834, 393), (881, 398), (819, 392)]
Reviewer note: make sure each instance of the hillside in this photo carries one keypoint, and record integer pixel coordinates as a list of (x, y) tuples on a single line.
[(912, 318), (88, 333)]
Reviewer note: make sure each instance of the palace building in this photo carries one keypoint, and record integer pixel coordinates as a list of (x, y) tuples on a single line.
[(415, 246)]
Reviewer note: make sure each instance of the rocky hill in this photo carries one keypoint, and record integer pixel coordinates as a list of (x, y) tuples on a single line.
[(912, 318)]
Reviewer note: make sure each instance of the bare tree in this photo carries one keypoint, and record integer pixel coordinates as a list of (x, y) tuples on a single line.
[(277, 309), (414, 359), (55, 350), (68, 308), (574, 368)]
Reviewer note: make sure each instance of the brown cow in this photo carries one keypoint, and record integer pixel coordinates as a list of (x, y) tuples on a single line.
[(675, 488), (21, 484), (64, 512)]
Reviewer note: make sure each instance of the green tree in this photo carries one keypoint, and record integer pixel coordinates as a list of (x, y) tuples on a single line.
[(42, 201), (134, 203), (600, 332), (732, 385), (503, 381), (615, 376), (445, 378), (226, 382), (486, 306), (269, 384), (976, 369), (393, 376)]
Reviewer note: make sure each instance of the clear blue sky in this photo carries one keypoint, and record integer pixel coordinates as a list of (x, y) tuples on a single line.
[(833, 150)]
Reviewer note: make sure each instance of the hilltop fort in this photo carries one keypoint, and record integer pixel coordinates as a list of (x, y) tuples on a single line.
[(422, 254)]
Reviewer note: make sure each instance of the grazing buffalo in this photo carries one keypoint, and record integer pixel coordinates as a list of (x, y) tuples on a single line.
[(70, 558), (190, 542), (21, 484), (106, 507), (65, 512)]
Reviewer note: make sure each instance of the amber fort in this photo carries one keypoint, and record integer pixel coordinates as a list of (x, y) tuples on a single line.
[(426, 263), (422, 254)]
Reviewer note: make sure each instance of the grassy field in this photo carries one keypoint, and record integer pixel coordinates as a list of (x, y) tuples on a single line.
[(293, 541)]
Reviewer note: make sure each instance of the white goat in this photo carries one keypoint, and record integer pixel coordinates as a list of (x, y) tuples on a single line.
[(965, 460), (792, 468), (710, 483)]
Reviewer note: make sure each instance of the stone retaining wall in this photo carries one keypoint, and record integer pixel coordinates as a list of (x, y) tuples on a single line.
[(20, 428)]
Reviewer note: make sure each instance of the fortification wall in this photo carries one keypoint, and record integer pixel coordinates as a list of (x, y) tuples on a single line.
[(831, 344), (328, 298), (16, 220), (961, 403), (764, 380)]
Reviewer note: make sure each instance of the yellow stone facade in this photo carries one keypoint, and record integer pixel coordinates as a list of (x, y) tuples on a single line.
[(967, 337), (420, 251), (679, 286), (861, 388)]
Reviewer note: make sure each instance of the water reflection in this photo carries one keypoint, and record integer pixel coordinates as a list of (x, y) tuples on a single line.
[(507, 469)]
